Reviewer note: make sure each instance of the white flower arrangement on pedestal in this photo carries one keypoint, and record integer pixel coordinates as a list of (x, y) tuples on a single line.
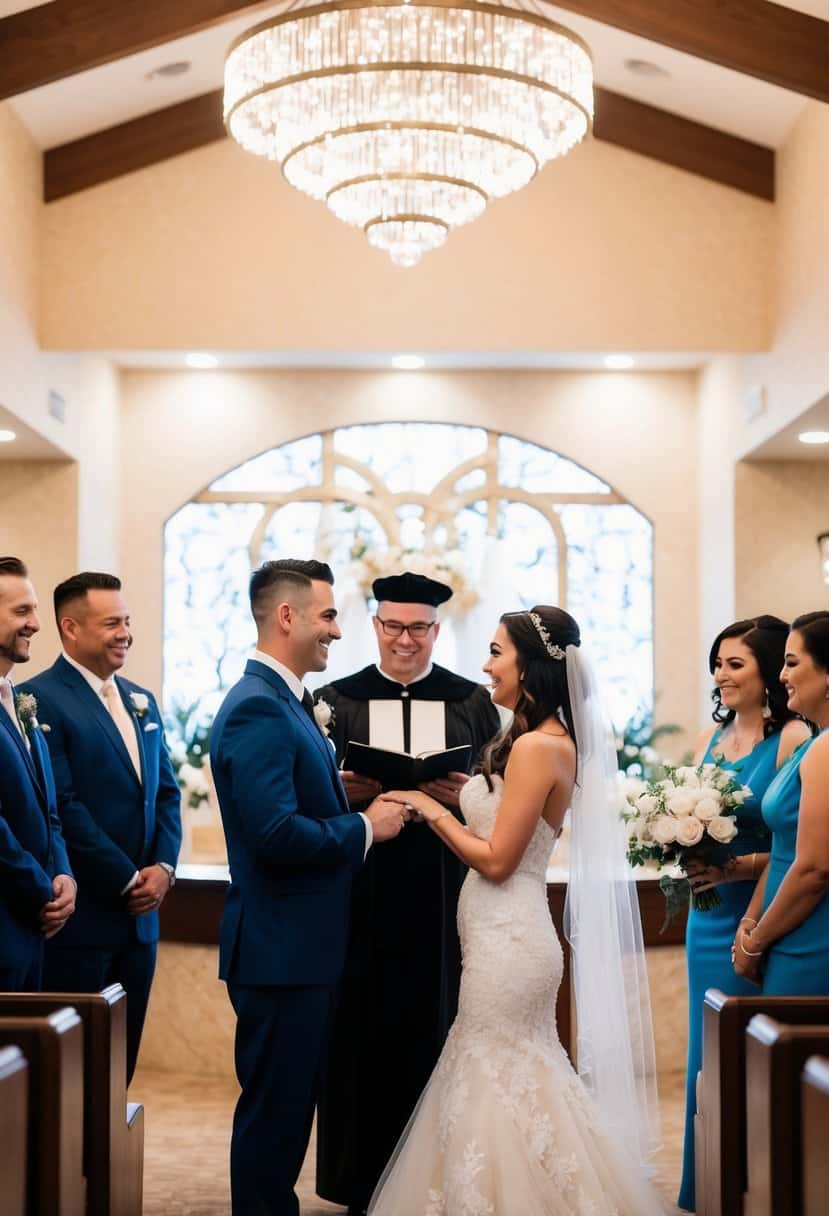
[(446, 566)]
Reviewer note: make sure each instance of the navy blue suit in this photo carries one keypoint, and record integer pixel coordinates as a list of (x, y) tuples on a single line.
[(114, 824), (32, 853), (293, 846)]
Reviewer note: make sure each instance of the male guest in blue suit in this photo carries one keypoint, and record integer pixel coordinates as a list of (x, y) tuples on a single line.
[(294, 846), (118, 799), (37, 890)]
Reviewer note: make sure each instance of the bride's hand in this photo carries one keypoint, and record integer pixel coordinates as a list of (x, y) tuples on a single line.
[(422, 806)]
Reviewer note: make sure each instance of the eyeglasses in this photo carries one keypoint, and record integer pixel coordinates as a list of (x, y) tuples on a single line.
[(395, 629)]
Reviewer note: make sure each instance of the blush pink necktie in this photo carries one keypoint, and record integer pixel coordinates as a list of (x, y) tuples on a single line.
[(126, 727)]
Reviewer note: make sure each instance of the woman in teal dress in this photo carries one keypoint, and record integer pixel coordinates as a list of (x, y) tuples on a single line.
[(754, 735), (784, 940)]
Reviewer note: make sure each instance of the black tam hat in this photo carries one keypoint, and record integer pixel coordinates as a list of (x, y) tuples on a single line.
[(408, 588)]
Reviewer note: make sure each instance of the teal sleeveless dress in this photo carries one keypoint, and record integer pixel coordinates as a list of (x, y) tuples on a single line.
[(709, 935), (797, 964)]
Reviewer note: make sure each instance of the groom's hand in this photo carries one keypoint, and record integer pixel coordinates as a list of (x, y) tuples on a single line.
[(446, 790), (359, 789), (387, 818)]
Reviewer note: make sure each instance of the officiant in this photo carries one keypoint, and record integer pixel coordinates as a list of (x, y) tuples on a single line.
[(400, 988)]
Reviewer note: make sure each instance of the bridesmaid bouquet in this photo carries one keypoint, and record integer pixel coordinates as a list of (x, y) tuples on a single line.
[(685, 816)]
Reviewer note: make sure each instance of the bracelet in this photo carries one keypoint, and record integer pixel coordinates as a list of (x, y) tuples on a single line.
[(744, 919), (441, 815), (751, 953)]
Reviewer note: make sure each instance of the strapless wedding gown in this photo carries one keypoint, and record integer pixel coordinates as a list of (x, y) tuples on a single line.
[(505, 1127)]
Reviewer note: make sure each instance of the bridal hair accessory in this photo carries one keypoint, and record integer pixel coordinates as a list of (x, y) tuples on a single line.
[(555, 652)]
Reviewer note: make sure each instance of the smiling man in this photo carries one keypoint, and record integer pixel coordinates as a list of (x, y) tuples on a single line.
[(118, 799), (400, 988)]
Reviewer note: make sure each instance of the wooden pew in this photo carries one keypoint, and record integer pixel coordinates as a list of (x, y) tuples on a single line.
[(814, 1140), (53, 1047), (720, 1123), (114, 1129), (14, 1128), (776, 1053)]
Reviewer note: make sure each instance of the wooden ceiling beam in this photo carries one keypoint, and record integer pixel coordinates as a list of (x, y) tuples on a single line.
[(756, 37), (684, 144), (619, 120), (40, 45)]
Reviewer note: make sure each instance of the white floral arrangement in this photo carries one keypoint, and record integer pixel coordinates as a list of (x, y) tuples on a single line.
[(446, 566), (195, 782), (25, 704), (324, 716), (688, 815)]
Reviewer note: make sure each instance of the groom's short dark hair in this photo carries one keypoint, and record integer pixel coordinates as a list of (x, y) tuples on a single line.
[(273, 577), (13, 567), (76, 587)]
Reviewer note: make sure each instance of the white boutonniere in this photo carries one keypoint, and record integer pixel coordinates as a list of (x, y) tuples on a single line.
[(26, 706), (324, 716), (140, 704)]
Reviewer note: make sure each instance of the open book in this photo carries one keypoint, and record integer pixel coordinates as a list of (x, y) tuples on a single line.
[(399, 770)]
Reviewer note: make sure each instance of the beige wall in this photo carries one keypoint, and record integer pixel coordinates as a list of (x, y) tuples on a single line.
[(213, 249), (38, 513), (781, 507), (638, 432), (796, 371)]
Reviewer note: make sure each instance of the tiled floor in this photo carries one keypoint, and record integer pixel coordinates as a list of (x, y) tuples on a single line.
[(187, 1130)]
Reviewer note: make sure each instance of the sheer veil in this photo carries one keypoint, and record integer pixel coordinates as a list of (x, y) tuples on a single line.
[(616, 1057)]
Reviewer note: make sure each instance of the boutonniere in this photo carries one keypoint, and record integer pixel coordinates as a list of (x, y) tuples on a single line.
[(140, 704), (324, 716), (26, 706)]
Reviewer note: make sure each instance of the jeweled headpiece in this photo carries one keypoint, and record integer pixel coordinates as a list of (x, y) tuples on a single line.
[(554, 651)]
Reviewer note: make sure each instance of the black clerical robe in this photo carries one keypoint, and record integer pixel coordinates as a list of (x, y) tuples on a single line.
[(399, 993)]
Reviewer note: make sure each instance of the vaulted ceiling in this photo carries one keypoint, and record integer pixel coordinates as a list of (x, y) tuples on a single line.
[(721, 86)]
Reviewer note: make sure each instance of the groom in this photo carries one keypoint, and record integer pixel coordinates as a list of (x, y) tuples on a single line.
[(293, 847)]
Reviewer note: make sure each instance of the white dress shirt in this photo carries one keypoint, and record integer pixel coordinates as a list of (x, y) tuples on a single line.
[(298, 688)]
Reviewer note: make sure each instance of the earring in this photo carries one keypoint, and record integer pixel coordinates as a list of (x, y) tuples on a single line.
[(766, 710)]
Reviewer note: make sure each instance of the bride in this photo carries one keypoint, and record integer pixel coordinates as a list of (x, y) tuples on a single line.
[(505, 1127)]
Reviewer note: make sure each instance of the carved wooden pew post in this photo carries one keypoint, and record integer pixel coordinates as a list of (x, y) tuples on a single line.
[(814, 1114), (14, 1130), (53, 1046)]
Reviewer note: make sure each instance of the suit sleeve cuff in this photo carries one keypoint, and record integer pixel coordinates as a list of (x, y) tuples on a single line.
[(130, 884), (369, 833)]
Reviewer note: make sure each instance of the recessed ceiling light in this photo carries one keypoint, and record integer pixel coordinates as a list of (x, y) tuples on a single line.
[(644, 67), (7, 436), (201, 360), (814, 437), (618, 363), (408, 363), (167, 71)]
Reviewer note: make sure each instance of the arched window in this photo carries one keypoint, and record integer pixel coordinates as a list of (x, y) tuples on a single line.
[(524, 525)]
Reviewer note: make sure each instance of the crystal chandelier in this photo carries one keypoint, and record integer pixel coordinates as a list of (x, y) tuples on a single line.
[(408, 118)]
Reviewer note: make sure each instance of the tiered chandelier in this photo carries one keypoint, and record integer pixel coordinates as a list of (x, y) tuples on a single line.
[(408, 118)]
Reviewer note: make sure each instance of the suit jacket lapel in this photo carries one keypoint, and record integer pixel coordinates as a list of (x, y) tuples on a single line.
[(100, 714), (260, 669), (20, 743)]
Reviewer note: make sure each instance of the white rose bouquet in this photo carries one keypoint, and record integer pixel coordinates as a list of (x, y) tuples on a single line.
[(688, 815)]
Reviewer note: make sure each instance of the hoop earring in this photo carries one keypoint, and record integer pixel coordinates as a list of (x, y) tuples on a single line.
[(766, 710)]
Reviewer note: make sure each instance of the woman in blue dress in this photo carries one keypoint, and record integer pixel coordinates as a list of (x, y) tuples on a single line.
[(754, 734), (788, 950)]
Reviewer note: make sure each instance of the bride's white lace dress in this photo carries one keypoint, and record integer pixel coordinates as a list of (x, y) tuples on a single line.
[(505, 1127)]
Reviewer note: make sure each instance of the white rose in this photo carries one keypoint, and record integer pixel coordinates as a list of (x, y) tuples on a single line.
[(664, 829), (646, 803), (708, 806), (141, 701), (689, 831), (686, 775), (632, 787), (739, 796), (716, 776), (682, 802), (722, 828), (322, 713)]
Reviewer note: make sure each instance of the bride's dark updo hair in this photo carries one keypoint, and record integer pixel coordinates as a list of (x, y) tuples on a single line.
[(544, 692)]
